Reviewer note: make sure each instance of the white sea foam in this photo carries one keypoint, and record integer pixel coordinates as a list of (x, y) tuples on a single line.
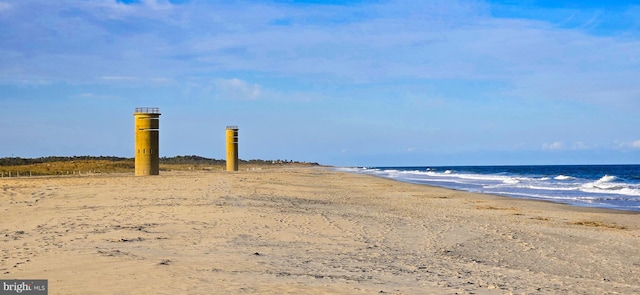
[(606, 184), (550, 188), (630, 191), (480, 177), (607, 178), (562, 177), (511, 181), (618, 189)]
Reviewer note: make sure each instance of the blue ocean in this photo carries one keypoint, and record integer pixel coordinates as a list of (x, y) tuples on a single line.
[(603, 186)]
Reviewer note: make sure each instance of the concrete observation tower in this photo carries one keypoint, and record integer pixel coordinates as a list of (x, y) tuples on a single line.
[(232, 148), (147, 151)]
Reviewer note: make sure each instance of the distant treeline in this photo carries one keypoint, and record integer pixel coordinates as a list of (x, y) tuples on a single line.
[(190, 160), (17, 161)]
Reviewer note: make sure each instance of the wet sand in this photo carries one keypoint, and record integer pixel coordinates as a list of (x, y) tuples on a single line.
[(304, 231)]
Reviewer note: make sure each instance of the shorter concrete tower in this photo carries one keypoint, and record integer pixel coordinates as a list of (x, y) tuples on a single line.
[(232, 148), (147, 151)]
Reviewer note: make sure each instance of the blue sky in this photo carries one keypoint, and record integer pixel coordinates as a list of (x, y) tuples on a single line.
[(337, 82)]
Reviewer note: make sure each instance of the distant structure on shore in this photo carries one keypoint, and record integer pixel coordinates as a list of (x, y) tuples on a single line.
[(147, 159), (232, 148)]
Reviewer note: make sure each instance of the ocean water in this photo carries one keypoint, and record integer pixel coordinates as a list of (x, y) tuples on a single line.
[(604, 186)]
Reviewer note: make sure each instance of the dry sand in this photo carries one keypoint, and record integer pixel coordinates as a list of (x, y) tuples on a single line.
[(304, 231)]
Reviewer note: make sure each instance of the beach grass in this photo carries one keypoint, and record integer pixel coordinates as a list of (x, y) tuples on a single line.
[(68, 167), (72, 166)]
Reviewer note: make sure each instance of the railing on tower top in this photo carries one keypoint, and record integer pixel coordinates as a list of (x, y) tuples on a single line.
[(148, 110), (232, 127)]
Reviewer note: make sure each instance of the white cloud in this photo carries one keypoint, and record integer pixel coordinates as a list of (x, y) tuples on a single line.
[(118, 78), (4, 6), (559, 145), (627, 144), (90, 95), (553, 146), (393, 41), (578, 145), (157, 4), (151, 9), (415, 40), (131, 79), (238, 89)]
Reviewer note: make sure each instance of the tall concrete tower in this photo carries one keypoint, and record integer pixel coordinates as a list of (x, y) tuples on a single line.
[(147, 144), (232, 148)]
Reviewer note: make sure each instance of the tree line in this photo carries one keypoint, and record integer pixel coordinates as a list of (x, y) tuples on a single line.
[(189, 159), (17, 161)]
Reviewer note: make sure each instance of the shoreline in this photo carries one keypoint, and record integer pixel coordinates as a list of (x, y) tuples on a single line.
[(577, 207), (333, 169), (305, 230), (601, 199)]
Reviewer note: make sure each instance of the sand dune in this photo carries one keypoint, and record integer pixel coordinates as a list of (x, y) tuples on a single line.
[(304, 231)]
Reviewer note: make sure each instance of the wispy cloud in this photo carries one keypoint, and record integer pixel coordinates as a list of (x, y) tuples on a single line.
[(139, 80), (91, 95), (4, 7), (423, 40), (558, 145), (579, 145), (118, 78), (111, 9), (625, 145), (238, 89), (576, 146)]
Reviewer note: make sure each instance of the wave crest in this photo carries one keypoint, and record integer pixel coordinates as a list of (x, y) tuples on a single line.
[(562, 177), (607, 178)]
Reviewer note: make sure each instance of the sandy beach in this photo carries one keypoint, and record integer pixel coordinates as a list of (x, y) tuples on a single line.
[(304, 231)]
